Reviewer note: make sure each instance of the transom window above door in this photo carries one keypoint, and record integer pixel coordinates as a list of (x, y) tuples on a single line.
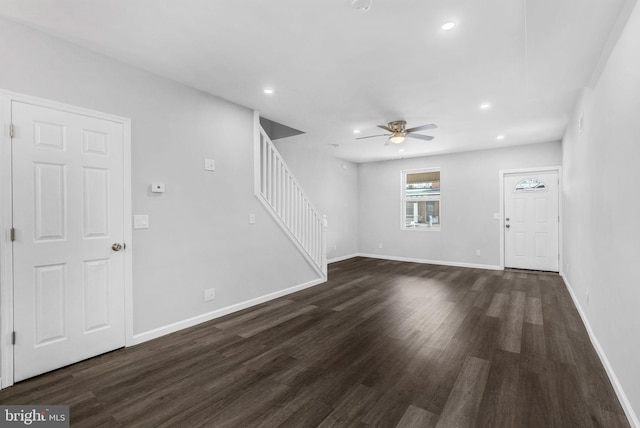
[(530, 185)]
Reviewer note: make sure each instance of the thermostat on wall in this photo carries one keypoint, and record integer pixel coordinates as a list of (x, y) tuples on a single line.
[(157, 187)]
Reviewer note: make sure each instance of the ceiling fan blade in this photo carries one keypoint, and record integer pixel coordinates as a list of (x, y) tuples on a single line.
[(420, 137), (421, 128), (372, 136), (386, 128)]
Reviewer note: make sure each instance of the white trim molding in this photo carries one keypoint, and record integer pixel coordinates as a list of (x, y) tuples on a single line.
[(617, 387), (6, 248), (190, 322), (430, 262), (342, 258)]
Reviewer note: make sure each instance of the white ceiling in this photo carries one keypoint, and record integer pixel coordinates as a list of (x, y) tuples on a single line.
[(335, 70)]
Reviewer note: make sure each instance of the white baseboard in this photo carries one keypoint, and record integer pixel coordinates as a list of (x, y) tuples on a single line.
[(190, 322), (341, 258), (430, 262), (626, 405)]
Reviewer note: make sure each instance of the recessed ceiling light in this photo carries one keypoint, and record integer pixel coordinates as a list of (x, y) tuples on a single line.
[(361, 5), (485, 106), (356, 131), (448, 26), (268, 91), (500, 137)]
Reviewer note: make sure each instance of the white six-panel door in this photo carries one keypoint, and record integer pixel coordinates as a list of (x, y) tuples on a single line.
[(531, 220), (67, 213)]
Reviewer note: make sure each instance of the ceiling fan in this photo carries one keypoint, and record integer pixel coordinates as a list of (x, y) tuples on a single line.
[(398, 133)]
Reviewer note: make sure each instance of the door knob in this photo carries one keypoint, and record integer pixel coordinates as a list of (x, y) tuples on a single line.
[(507, 226), (117, 247)]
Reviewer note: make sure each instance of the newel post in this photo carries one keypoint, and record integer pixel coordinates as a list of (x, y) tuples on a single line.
[(324, 243)]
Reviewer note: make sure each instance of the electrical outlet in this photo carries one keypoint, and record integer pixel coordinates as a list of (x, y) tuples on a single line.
[(478, 253), (209, 294), (252, 219)]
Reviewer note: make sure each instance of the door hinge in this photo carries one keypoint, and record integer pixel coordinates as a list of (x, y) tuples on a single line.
[(13, 337), (11, 130), (12, 234)]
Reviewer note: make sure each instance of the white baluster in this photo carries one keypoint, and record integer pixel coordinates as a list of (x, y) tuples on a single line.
[(280, 191)]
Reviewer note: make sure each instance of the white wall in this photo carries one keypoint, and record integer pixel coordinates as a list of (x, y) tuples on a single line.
[(470, 196), (332, 185), (601, 210), (199, 235)]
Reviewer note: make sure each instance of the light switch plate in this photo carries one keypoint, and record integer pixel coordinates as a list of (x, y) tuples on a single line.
[(141, 221), (209, 165)]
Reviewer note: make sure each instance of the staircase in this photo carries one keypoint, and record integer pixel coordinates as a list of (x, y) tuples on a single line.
[(279, 191)]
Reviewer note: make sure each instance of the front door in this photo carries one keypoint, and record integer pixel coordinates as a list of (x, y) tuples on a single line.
[(531, 220), (68, 202)]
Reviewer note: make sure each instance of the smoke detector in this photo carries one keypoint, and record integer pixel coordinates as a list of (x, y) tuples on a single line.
[(361, 6)]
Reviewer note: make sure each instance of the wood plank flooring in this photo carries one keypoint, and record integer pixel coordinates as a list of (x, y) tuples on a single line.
[(383, 343)]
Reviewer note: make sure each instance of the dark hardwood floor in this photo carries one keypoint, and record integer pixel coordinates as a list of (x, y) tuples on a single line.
[(381, 344)]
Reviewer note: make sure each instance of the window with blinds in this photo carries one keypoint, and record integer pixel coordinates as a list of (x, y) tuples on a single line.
[(421, 199)]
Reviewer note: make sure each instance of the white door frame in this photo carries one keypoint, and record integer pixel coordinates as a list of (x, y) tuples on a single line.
[(504, 172), (6, 209)]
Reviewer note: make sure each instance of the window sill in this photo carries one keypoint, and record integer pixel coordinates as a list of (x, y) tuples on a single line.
[(421, 229)]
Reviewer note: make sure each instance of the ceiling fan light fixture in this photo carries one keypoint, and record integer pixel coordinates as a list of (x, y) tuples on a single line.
[(397, 139)]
